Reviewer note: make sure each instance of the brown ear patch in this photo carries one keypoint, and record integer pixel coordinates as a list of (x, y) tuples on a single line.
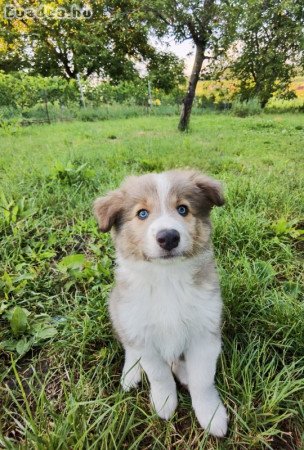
[(108, 210), (211, 189), (201, 191)]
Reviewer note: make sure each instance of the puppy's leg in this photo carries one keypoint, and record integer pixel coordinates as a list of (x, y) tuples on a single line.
[(201, 360), (180, 371), (131, 373), (163, 388)]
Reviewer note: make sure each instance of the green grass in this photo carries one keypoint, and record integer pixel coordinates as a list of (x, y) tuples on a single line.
[(37, 114), (61, 391)]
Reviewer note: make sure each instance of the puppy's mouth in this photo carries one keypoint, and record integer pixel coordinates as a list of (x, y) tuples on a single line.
[(164, 257), (169, 256)]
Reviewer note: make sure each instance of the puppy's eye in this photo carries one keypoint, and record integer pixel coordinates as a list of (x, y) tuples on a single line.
[(142, 214), (182, 210)]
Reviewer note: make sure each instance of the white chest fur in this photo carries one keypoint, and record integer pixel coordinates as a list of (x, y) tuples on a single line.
[(163, 309)]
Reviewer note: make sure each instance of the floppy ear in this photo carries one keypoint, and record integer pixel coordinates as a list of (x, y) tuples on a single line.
[(108, 210), (211, 189)]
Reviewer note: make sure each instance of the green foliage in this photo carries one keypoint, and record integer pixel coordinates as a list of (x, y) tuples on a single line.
[(73, 173), (109, 43), (9, 125), (67, 47), (62, 391), (250, 107), (200, 21), (166, 72), (288, 228), (23, 100), (27, 330), (270, 40), (18, 320), (135, 93), (12, 211), (20, 91), (77, 271), (125, 92), (276, 105)]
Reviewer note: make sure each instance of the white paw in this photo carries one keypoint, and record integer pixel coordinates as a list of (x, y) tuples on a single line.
[(164, 402), (212, 417), (131, 378)]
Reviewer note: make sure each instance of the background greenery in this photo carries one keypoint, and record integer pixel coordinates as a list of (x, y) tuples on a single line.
[(115, 52), (26, 99), (60, 363)]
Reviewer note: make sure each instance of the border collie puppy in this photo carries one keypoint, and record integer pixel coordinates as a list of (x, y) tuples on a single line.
[(166, 304)]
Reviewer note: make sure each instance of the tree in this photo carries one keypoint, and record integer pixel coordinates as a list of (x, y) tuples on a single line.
[(269, 36), (202, 21), (107, 42), (260, 42), (166, 71)]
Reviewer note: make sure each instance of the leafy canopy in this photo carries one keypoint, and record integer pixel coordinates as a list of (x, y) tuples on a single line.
[(109, 43)]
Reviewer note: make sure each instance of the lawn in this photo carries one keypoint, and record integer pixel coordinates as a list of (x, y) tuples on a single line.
[(60, 362)]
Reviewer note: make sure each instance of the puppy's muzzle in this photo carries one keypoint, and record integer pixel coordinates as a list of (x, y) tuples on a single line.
[(168, 239)]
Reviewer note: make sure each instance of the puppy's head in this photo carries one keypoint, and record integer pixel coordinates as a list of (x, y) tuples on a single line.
[(159, 217)]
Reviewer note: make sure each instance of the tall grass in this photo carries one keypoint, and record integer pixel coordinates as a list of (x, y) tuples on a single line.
[(251, 107), (58, 113)]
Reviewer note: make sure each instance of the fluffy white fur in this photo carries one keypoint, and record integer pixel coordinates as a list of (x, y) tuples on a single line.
[(166, 316)]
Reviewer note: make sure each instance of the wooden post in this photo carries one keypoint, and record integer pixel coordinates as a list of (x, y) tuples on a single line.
[(149, 95), (82, 101), (46, 107)]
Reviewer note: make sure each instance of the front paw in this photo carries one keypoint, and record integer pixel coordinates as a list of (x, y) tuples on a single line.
[(131, 378), (212, 416), (164, 402)]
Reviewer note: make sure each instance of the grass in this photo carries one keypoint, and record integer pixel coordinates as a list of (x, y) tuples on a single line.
[(60, 363), (13, 117), (56, 113)]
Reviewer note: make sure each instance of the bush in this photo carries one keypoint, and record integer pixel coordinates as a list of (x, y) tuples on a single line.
[(276, 105), (205, 102), (19, 90), (131, 93), (250, 107)]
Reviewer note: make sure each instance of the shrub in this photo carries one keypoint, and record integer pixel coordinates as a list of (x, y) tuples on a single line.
[(130, 93), (278, 105), (205, 102), (18, 90), (250, 107)]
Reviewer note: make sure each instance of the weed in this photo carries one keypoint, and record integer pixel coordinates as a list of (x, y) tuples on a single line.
[(73, 173), (28, 330), (250, 107)]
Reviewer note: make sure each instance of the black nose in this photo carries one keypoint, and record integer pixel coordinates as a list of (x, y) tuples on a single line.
[(168, 239)]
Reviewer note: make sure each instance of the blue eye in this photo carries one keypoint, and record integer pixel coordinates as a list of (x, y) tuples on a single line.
[(182, 210), (142, 214)]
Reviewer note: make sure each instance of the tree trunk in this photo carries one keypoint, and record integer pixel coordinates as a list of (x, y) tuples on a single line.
[(188, 100)]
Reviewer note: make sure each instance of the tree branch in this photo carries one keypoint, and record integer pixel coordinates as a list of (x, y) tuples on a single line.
[(158, 14)]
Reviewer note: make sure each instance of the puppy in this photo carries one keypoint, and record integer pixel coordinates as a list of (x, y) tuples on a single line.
[(166, 304)]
